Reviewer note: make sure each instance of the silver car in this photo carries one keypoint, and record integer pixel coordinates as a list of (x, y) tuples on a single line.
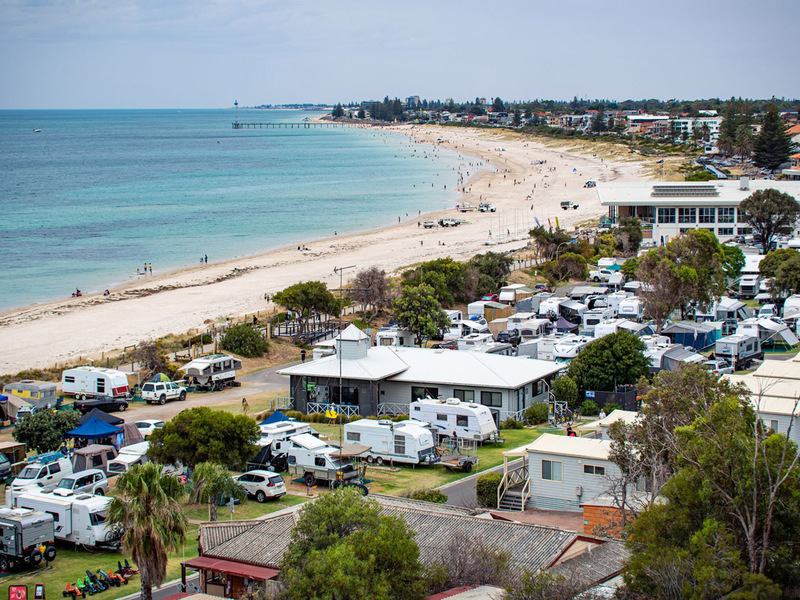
[(91, 481), (262, 484)]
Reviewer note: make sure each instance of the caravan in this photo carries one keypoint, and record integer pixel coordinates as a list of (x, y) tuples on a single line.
[(314, 460), (394, 336), (455, 418), (88, 382), (403, 442), (214, 371)]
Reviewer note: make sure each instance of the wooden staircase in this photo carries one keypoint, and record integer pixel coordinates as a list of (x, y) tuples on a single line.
[(515, 488)]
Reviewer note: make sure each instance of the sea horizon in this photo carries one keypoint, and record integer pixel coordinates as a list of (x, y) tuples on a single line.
[(99, 192)]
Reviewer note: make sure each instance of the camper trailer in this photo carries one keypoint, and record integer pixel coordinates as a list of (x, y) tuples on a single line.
[(534, 328), (564, 351), (214, 371), (630, 308), (403, 442), (135, 454), (22, 533), (79, 519), (88, 382), (748, 286), (454, 418), (738, 349), (394, 336), (314, 460)]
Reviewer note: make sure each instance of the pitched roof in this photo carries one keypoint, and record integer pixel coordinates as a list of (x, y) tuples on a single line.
[(596, 565), (352, 334)]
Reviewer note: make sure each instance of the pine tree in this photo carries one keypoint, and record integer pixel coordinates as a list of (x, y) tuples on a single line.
[(772, 145), (728, 128)]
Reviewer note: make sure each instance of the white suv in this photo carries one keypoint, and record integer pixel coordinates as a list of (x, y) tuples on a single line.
[(161, 391), (262, 484), (91, 481)]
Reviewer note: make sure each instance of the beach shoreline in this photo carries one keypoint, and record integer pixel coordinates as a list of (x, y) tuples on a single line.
[(179, 301)]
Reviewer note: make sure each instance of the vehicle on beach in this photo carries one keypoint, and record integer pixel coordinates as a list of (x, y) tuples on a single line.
[(467, 208), (212, 372), (590, 184), (104, 403), (567, 204), (429, 224), (161, 391), (448, 222), (486, 208)]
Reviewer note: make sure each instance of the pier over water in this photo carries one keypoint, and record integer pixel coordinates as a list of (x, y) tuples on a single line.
[(314, 125)]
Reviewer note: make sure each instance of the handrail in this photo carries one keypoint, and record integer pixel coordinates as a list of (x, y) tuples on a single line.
[(512, 478), (345, 409)]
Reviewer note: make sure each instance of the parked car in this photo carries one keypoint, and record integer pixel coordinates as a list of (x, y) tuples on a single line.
[(490, 298), (487, 208), (90, 481), (5, 468), (718, 366), (429, 224), (161, 391), (262, 484), (104, 403), (508, 337), (39, 474), (148, 426), (601, 274), (567, 204), (541, 287)]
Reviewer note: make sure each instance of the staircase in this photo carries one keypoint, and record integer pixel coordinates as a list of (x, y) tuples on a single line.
[(514, 489), (512, 500)]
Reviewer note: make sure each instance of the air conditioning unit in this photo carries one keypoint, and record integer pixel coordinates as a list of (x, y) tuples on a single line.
[(744, 183)]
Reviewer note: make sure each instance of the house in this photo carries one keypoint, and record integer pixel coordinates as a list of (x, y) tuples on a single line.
[(240, 556), (364, 380), (557, 473), (599, 429), (793, 172), (667, 209)]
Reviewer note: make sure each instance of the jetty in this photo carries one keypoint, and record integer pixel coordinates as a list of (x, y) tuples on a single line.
[(301, 125)]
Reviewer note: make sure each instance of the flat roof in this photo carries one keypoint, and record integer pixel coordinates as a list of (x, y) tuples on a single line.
[(626, 416), (562, 445), (639, 193)]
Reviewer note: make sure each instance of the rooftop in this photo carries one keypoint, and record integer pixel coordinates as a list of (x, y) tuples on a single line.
[(561, 445), (718, 193)]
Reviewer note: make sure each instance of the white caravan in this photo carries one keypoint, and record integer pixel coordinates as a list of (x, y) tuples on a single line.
[(87, 382), (403, 442), (79, 519), (630, 308), (454, 418), (394, 336), (551, 307), (214, 371), (283, 430)]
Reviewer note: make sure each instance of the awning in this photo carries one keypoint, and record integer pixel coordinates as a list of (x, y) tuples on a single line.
[(231, 567)]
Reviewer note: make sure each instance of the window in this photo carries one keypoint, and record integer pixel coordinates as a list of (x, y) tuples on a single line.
[(97, 460), (744, 230), (399, 444), (687, 215), (773, 424), (725, 231), (69, 379), (258, 479), (685, 229), (594, 470), (492, 399), (319, 461), (706, 215), (55, 468), (464, 395), (726, 214), (666, 215), (551, 470), (462, 421), (420, 393), (101, 386), (441, 417), (417, 408), (353, 436)]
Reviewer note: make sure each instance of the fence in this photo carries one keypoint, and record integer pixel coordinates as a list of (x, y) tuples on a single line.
[(342, 409), (388, 409), (625, 396)]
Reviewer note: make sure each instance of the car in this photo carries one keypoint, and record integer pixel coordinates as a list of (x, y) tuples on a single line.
[(718, 366), (590, 184), (5, 468), (508, 337), (90, 481), (601, 274), (486, 208), (104, 403), (148, 426), (541, 287), (567, 204), (261, 484), (429, 224), (161, 391), (489, 298)]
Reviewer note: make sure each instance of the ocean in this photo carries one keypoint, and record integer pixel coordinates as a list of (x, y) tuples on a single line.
[(97, 193)]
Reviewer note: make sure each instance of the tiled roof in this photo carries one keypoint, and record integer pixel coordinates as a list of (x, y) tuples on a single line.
[(214, 534), (595, 566)]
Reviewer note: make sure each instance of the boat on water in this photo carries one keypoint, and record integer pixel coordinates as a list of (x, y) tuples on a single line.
[(37, 131)]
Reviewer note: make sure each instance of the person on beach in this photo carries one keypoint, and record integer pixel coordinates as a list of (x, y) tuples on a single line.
[(245, 406), (150, 265), (206, 257)]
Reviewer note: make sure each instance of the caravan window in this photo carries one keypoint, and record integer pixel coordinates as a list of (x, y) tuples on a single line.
[(353, 436), (98, 518), (399, 444), (441, 417), (319, 461), (101, 386), (462, 421), (69, 379), (464, 395)]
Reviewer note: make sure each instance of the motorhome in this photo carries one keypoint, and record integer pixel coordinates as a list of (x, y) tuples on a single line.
[(630, 308), (738, 349), (22, 533), (748, 286), (88, 382), (79, 519), (394, 336), (214, 371), (135, 454), (455, 418), (314, 460), (404, 442)]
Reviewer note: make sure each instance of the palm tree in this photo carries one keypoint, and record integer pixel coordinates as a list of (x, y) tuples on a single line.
[(210, 480), (146, 506)]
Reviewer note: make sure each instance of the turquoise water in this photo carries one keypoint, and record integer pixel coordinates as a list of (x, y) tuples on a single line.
[(97, 194)]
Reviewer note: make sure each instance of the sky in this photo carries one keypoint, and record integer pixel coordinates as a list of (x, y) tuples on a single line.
[(207, 53)]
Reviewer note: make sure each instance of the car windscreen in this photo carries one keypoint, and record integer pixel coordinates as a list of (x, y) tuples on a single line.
[(29, 473), (116, 467), (66, 483)]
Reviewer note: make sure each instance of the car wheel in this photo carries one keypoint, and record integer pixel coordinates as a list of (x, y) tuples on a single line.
[(261, 496), (310, 479), (3, 564), (162, 400), (596, 280), (122, 407), (182, 396), (99, 492)]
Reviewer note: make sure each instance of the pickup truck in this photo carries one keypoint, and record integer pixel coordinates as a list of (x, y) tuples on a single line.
[(467, 207), (601, 274), (487, 208), (429, 224), (567, 204)]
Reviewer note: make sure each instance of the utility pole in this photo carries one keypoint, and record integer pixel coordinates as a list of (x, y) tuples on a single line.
[(339, 271)]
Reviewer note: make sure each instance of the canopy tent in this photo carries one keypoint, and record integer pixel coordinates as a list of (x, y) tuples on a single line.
[(275, 417), (159, 377), (96, 413), (93, 429), (564, 325)]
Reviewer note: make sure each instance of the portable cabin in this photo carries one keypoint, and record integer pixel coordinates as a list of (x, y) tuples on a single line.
[(214, 371), (87, 382), (454, 418), (748, 286), (406, 442), (39, 394), (738, 349), (630, 308), (394, 336), (695, 335)]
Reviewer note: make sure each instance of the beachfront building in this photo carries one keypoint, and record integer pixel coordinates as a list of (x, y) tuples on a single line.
[(793, 172), (667, 209), (384, 380)]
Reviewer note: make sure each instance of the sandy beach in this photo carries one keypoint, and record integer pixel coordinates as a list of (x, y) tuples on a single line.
[(519, 188)]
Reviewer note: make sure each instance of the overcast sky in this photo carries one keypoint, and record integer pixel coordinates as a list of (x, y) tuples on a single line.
[(206, 53)]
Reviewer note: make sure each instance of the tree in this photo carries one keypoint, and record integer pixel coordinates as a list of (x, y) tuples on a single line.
[(152, 357), (568, 266), (338, 111), (447, 277), (599, 122), (419, 311), (146, 506), (200, 434), (772, 145), (484, 564), (770, 213), (732, 261), (517, 117), (306, 298), (615, 359), (371, 290), (342, 547), (245, 341), (492, 269), (566, 390), (768, 267), (44, 431), (211, 481), (726, 142), (629, 267), (787, 277), (548, 243), (361, 114), (744, 142), (628, 234), (498, 106)]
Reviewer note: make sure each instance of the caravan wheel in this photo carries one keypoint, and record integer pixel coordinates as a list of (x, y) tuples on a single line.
[(379, 460), (370, 459)]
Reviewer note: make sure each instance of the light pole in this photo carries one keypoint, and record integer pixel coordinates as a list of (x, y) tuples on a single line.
[(339, 271)]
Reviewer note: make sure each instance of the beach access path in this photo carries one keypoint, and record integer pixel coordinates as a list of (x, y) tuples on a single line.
[(64, 331)]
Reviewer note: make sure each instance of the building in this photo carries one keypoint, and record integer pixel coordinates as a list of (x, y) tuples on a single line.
[(385, 380), (557, 473), (667, 209), (599, 429), (793, 172)]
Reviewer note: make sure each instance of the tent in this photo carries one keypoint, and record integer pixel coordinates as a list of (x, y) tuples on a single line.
[(564, 325), (275, 417), (10, 405), (94, 456), (96, 413), (132, 434), (93, 429)]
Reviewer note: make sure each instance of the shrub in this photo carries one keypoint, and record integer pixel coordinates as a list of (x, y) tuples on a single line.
[(611, 407), (565, 390), (429, 496), (244, 341), (486, 489), (294, 414), (589, 408), (511, 423), (399, 418), (204, 338), (537, 413)]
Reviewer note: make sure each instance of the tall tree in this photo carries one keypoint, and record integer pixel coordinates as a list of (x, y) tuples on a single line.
[(770, 213), (419, 311), (568, 266), (306, 298), (498, 106), (773, 144), (338, 111), (371, 288), (628, 234), (211, 481), (787, 277), (615, 359), (726, 142), (599, 122), (146, 506)]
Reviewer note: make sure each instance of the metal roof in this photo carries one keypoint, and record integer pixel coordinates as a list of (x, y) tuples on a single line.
[(562, 445), (639, 193)]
